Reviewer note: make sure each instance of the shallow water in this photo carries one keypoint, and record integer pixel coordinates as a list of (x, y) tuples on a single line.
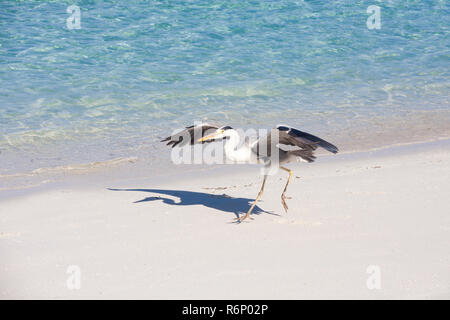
[(138, 69)]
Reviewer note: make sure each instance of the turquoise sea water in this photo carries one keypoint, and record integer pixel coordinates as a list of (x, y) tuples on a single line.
[(137, 69)]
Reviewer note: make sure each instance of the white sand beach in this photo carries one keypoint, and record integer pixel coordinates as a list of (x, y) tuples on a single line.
[(156, 238)]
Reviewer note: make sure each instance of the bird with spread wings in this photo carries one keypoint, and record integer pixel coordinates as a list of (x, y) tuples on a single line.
[(281, 145)]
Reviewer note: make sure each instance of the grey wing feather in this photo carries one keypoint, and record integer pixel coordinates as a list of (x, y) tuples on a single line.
[(304, 143), (190, 135), (263, 146), (305, 150)]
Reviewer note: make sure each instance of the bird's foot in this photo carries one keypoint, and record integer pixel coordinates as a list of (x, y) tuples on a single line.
[(240, 219), (283, 202)]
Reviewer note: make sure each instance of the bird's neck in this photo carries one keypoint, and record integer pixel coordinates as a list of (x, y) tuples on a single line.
[(232, 152)]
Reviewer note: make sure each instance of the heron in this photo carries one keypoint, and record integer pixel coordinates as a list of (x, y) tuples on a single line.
[(288, 144)]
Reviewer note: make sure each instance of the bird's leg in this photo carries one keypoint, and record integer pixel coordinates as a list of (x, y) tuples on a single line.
[(283, 197), (240, 219)]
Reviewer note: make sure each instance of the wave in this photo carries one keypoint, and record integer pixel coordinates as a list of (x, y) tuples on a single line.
[(73, 168)]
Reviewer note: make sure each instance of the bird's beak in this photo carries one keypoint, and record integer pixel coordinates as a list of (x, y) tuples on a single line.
[(211, 136)]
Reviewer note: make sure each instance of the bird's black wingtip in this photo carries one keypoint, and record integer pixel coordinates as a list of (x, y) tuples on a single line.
[(327, 146), (332, 149)]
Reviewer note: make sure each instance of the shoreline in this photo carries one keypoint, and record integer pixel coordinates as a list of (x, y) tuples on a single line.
[(132, 168), (353, 135)]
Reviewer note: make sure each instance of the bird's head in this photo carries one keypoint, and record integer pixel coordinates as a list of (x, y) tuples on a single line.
[(220, 133)]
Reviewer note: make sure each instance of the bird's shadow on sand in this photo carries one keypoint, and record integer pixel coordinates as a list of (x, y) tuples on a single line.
[(222, 202)]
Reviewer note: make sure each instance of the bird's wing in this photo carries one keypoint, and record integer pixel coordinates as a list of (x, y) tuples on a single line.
[(190, 135), (292, 141), (304, 138)]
